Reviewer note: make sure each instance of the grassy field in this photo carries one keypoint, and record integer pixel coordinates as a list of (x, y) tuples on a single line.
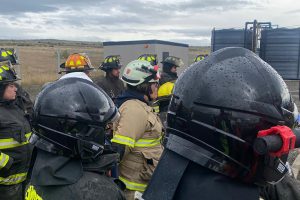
[(39, 60)]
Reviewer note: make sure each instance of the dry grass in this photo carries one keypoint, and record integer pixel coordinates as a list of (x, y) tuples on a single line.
[(39, 62)]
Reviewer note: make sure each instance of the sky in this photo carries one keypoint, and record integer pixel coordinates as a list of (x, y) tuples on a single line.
[(185, 21)]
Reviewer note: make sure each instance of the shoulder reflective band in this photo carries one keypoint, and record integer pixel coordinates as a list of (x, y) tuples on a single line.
[(31, 194), (13, 179), (3, 160), (133, 185), (11, 143), (120, 139)]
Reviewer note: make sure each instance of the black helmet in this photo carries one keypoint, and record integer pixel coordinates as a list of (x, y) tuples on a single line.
[(171, 61), (70, 117), (214, 121), (7, 73), (8, 55), (152, 58), (111, 62)]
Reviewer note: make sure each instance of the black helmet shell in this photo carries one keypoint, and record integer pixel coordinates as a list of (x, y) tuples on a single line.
[(7, 73), (111, 62), (175, 61), (8, 55), (72, 113), (235, 95), (152, 58)]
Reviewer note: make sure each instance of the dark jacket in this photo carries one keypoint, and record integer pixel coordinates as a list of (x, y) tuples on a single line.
[(288, 188), (191, 181), (23, 100), (167, 77), (112, 86), (15, 149), (58, 177)]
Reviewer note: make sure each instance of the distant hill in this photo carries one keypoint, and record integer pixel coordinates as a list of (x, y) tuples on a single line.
[(54, 42), (50, 43)]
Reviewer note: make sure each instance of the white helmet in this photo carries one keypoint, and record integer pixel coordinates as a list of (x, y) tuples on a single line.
[(140, 71)]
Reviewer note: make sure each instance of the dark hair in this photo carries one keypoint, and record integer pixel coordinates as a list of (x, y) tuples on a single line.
[(167, 67), (2, 89), (141, 88)]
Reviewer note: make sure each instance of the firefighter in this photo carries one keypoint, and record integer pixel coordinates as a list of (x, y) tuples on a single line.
[(77, 65), (152, 58), (71, 159), (15, 130), (168, 78), (111, 83), (138, 131), (212, 125), (23, 98), (170, 65)]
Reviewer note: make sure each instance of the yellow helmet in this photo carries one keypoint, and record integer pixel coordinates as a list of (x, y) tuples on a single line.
[(77, 62)]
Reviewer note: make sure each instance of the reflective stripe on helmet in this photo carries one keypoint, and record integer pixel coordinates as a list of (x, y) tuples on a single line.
[(3, 160), (130, 185), (13, 179), (4, 54), (11, 142)]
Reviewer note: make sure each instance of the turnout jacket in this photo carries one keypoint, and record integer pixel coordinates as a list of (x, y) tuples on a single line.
[(140, 130), (15, 149), (57, 177)]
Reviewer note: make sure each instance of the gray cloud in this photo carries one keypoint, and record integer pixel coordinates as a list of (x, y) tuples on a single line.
[(176, 20)]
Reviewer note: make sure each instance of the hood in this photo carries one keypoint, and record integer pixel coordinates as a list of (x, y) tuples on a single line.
[(50, 169), (128, 95)]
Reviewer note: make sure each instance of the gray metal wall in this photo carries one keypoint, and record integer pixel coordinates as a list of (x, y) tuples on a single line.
[(132, 51), (230, 38), (180, 52), (281, 49), (128, 52)]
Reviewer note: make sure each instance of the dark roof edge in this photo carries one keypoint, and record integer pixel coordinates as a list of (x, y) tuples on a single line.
[(144, 42)]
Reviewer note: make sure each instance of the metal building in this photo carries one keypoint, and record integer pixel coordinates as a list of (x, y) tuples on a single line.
[(230, 38), (281, 49), (131, 50)]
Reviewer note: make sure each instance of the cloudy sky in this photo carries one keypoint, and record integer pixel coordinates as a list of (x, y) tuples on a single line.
[(187, 21)]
